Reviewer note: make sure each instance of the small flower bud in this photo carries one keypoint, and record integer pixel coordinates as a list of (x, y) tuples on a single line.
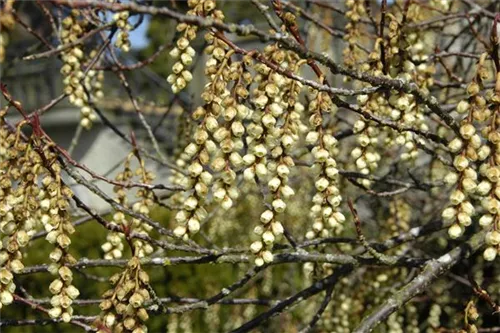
[(143, 315), (249, 174), (268, 237), (329, 141), (483, 152), (268, 120), (206, 177), (493, 174), (255, 247), (277, 228), (22, 238), (490, 253), (312, 138), (193, 225), (191, 203), (483, 188), (362, 99), (174, 53), (227, 203), (249, 159), (359, 125), (317, 226), (402, 103), (259, 262), (287, 191), (6, 297), (274, 184), (334, 200), (463, 106), (237, 128), (65, 273), (258, 230), (279, 206), (332, 172), (260, 150), (321, 155), (457, 197), (266, 216), (267, 256), (136, 300), (109, 319), (221, 134), (467, 131), (186, 59), (180, 231), (486, 220), (356, 153), (219, 194), (5, 276), (455, 145), (181, 216), (492, 237), (475, 141), (467, 208), (464, 219), (191, 150), (460, 162), (469, 185), (455, 231), (55, 312), (361, 163), (129, 323), (187, 76), (327, 211), (449, 213), (211, 123), (282, 170), (491, 205), (177, 67), (56, 286), (395, 114), (451, 178), (261, 101), (45, 204), (72, 291), (363, 140), (4, 256), (339, 217), (182, 43), (321, 184), (287, 141)]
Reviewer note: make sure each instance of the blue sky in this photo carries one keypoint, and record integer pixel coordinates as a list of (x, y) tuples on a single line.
[(138, 36)]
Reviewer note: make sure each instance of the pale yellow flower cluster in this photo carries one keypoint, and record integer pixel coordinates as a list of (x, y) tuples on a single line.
[(32, 195), (124, 306), (76, 82), (183, 53)]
